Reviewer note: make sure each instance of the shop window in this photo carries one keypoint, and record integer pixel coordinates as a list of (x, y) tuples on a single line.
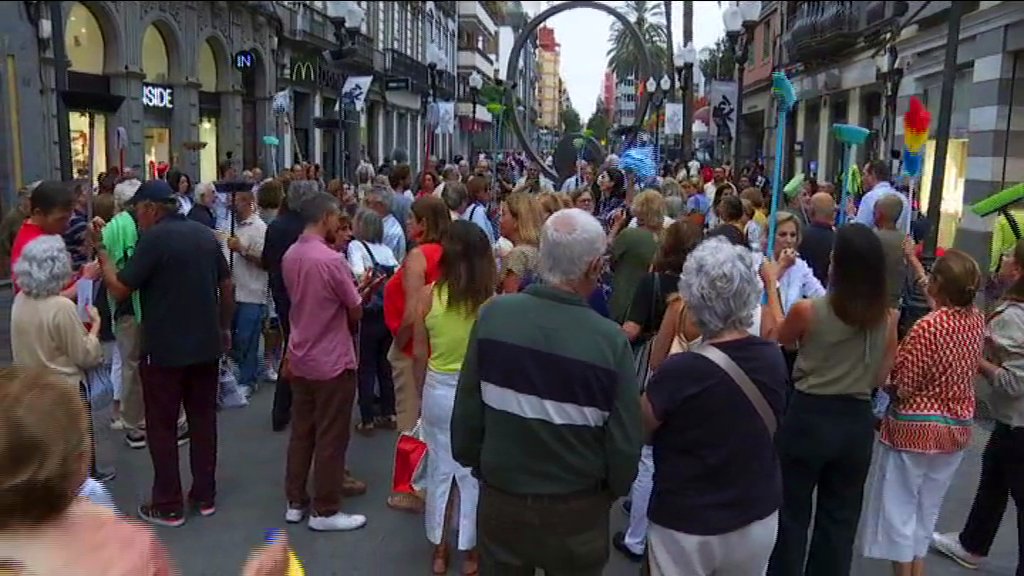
[(208, 155), (83, 41), (154, 56), (80, 149), (207, 68), (158, 147), (952, 188)]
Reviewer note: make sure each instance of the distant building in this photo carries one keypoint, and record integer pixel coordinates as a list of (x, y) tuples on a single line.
[(608, 94), (549, 90)]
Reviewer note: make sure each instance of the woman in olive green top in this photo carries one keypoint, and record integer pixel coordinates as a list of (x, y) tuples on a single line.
[(847, 342), (633, 250)]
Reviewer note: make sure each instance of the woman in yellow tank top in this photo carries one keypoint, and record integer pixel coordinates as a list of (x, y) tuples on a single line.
[(447, 311)]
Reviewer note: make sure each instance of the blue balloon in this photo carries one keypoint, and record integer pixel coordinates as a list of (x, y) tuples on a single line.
[(641, 162)]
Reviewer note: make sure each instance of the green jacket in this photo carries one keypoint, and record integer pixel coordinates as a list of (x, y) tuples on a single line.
[(120, 236)]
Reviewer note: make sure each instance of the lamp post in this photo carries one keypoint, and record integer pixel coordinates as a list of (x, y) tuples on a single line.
[(740, 20), (347, 18), (436, 61), (684, 58), (659, 91), (476, 82)]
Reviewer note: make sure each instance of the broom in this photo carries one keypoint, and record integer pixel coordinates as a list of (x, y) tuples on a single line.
[(783, 90), (850, 137)]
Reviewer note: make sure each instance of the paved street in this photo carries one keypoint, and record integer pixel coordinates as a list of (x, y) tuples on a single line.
[(250, 489)]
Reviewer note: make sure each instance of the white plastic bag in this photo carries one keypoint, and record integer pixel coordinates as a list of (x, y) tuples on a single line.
[(229, 393)]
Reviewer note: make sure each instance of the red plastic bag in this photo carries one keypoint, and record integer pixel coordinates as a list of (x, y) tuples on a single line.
[(410, 461)]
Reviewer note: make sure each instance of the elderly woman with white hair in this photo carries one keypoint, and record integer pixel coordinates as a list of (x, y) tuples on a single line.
[(712, 413), (202, 210)]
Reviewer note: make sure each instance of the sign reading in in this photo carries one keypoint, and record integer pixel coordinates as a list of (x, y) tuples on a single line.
[(154, 96), (244, 60)]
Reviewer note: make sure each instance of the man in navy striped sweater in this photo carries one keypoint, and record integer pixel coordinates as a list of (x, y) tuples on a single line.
[(547, 413)]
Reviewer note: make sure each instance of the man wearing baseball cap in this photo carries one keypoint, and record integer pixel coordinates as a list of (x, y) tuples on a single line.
[(187, 306)]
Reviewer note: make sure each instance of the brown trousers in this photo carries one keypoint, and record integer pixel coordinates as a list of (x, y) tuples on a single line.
[(407, 400), (321, 422)]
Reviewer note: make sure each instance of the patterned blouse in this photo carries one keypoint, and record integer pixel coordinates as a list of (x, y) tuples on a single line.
[(932, 383)]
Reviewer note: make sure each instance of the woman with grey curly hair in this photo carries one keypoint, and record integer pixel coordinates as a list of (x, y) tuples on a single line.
[(717, 490)]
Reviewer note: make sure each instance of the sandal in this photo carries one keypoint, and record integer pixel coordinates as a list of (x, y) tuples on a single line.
[(439, 563), (365, 428), (387, 422), (406, 502), (471, 563)]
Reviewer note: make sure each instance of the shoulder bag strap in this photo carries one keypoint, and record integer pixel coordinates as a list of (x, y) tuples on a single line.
[(743, 381), (369, 253)]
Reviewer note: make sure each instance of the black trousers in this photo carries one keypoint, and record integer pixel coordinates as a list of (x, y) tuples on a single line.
[(281, 413), (565, 534), (1002, 478), (824, 444), (374, 368)]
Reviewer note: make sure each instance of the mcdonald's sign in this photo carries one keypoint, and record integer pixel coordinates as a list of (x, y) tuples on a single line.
[(303, 72), (313, 71)]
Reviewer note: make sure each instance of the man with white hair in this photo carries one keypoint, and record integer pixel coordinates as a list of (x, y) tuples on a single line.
[(381, 199), (584, 176), (547, 413), (202, 210)]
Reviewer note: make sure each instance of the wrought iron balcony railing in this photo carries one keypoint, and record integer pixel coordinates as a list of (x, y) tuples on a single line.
[(829, 31)]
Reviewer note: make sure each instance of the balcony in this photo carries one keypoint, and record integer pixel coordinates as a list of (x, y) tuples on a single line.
[(445, 85), (476, 60), (365, 58), (475, 18), (307, 24), (826, 32), (401, 65)]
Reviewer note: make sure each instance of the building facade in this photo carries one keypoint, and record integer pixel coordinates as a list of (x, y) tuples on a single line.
[(986, 146), (608, 94), (147, 82), (549, 93), (477, 52), (625, 101), (523, 82)]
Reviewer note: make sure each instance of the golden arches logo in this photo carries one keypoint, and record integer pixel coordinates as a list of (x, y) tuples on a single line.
[(303, 72)]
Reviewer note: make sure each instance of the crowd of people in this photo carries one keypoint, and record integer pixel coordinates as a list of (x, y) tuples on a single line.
[(756, 402)]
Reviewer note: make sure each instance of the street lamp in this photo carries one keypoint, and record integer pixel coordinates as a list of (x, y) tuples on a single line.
[(476, 82), (659, 91), (740, 20), (347, 18), (684, 58)]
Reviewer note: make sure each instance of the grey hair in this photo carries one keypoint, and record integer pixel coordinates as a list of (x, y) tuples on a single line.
[(570, 241), (124, 191), (673, 206), (204, 188), (454, 195), (317, 205), (720, 286), (44, 268), (299, 191), (380, 193), (611, 160), (369, 226)]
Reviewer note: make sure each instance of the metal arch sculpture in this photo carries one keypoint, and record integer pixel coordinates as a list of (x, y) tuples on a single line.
[(516, 55)]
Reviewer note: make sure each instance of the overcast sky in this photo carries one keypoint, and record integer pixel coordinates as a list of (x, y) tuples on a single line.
[(584, 37)]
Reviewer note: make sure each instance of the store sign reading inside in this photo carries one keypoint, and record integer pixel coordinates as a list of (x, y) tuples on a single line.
[(154, 96)]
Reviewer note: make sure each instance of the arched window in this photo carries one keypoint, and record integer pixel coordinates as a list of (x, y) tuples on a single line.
[(83, 40), (207, 68), (154, 55)]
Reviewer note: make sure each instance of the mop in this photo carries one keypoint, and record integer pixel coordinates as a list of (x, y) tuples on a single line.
[(850, 137)]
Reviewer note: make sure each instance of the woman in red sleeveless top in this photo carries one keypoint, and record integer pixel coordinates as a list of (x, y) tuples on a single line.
[(427, 226)]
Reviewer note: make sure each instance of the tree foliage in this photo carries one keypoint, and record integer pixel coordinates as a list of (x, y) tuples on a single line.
[(649, 20), (599, 123), (718, 62), (571, 121)]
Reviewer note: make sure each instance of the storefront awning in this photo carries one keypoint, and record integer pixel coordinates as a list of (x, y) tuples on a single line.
[(92, 101)]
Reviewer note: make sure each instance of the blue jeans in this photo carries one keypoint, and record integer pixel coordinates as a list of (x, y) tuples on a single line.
[(246, 341)]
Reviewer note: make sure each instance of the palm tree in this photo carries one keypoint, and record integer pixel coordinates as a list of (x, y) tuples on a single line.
[(623, 55)]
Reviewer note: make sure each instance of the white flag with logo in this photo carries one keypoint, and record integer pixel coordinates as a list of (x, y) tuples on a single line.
[(673, 118), (282, 103), (445, 118), (353, 94)]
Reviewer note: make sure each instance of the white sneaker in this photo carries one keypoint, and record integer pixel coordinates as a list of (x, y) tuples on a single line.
[(294, 515), (949, 544), (270, 375), (340, 522)]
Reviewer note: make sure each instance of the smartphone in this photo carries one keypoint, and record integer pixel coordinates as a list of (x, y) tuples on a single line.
[(84, 298)]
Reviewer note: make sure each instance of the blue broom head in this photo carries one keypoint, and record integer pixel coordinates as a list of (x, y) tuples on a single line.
[(912, 163), (271, 141), (783, 90), (850, 134), (641, 161)]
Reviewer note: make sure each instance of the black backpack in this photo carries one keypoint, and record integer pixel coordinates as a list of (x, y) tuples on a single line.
[(376, 302)]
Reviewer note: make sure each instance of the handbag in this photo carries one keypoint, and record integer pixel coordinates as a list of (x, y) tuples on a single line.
[(744, 383), (642, 353), (410, 461)]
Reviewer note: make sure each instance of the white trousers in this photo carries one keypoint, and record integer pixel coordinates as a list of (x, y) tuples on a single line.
[(442, 469), (640, 496), (743, 552), (904, 496), (112, 351)]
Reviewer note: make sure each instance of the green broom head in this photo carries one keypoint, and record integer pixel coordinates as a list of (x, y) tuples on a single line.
[(850, 134), (783, 90), (792, 188), (271, 141), (999, 200)]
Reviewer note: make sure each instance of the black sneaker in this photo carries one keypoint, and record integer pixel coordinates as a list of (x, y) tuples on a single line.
[(153, 516), (619, 542), (135, 439), (104, 476), (204, 509)]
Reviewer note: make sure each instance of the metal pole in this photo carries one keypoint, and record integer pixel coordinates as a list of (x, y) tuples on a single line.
[(736, 148), (687, 145), (60, 69), (956, 12), (339, 143)]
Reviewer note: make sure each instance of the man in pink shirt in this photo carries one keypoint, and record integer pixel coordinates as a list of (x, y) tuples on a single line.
[(326, 306)]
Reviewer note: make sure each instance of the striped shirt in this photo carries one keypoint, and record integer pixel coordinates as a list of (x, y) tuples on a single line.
[(547, 402)]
